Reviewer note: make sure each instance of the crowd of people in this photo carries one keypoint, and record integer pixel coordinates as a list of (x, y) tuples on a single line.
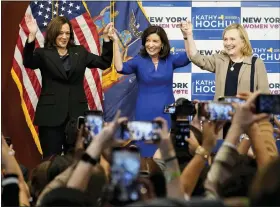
[(108, 171), (111, 172)]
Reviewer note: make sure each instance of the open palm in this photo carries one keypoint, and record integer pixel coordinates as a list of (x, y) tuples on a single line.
[(31, 24)]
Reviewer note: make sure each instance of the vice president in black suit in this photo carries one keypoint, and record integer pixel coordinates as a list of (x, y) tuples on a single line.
[(62, 65)]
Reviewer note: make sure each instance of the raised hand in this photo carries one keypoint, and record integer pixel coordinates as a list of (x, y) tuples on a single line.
[(210, 133), (192, 144), (186, 28), (31, 24), (165, 144), (244, 115), (106, 31), (112, 33)]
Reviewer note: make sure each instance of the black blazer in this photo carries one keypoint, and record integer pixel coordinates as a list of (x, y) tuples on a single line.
[(61, 94)]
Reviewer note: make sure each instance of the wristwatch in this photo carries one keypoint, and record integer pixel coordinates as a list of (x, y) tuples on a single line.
[(202, 152), (87, 158)]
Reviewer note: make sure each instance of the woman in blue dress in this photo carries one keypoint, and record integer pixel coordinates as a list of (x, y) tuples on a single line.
[(153, 68)]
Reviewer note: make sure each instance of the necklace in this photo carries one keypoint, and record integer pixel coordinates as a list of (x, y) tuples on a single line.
[(232, 66)]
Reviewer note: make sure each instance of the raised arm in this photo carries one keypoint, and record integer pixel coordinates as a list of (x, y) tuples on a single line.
[(225, 159), (172, 171), (103, 61), (11, 167), (202, 61), (83, 171), (31, 58), (196, 165), (118, 63), (128, 67)]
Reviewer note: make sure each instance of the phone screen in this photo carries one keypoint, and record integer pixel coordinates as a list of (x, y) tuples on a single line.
[(274, 124), (231, 99), (124, 173), (94, 123), (182, 131), (141, 130), (215, 111), (80, 121), (267, 103), (169, 109)]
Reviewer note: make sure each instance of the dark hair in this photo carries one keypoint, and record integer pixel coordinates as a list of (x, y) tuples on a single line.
[(53, 30), (39, 179), (58, 165), (239, 182), (63, 196), (71, 133), (155, 175), (163, 37)]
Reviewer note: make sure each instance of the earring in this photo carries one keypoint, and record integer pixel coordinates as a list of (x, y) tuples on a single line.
[(162, 47)]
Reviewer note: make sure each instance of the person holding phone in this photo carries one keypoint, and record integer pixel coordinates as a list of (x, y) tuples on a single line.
[(62, 65), (153, 67)]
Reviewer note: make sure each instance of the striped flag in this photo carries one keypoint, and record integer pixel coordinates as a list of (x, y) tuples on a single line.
[(29, 81)]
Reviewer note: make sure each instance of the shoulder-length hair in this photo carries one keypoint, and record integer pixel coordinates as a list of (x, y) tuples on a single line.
[(247, 49), (164, 52), (53, 30)]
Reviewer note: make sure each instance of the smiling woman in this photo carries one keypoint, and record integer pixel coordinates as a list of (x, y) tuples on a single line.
[(233, 66), (153, 68), (235, 69), (62, 65)]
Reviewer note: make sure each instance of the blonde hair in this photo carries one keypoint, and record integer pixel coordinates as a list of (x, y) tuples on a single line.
[(247, 49)]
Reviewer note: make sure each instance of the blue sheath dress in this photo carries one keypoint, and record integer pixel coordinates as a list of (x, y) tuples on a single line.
[(154, 85)]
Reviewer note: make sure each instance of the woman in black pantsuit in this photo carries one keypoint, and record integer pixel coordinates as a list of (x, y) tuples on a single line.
[(62, 65)]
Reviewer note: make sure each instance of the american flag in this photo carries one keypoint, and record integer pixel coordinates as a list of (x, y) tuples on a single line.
[(29, 81)]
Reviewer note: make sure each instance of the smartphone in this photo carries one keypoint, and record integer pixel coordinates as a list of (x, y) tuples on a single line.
[(170, 109), (182, 131), (141, 130), (215, 111), (8, 141), (93, 120), (268, 103), (231, 99), (273, 122), (80, 121), (125, 170)]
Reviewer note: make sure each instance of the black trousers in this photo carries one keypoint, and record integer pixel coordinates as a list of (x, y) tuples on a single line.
[(52, 139)]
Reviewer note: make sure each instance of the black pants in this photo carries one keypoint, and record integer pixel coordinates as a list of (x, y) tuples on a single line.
[(52, 139)]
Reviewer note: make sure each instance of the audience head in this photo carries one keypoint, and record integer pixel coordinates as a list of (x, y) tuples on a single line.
[(39, 179), (58, 165), (237, 185), (63, 196), (151, 171)]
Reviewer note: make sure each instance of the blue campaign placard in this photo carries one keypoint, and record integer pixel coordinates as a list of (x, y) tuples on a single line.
[(269, 52), (208, 24), (203, 86)]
